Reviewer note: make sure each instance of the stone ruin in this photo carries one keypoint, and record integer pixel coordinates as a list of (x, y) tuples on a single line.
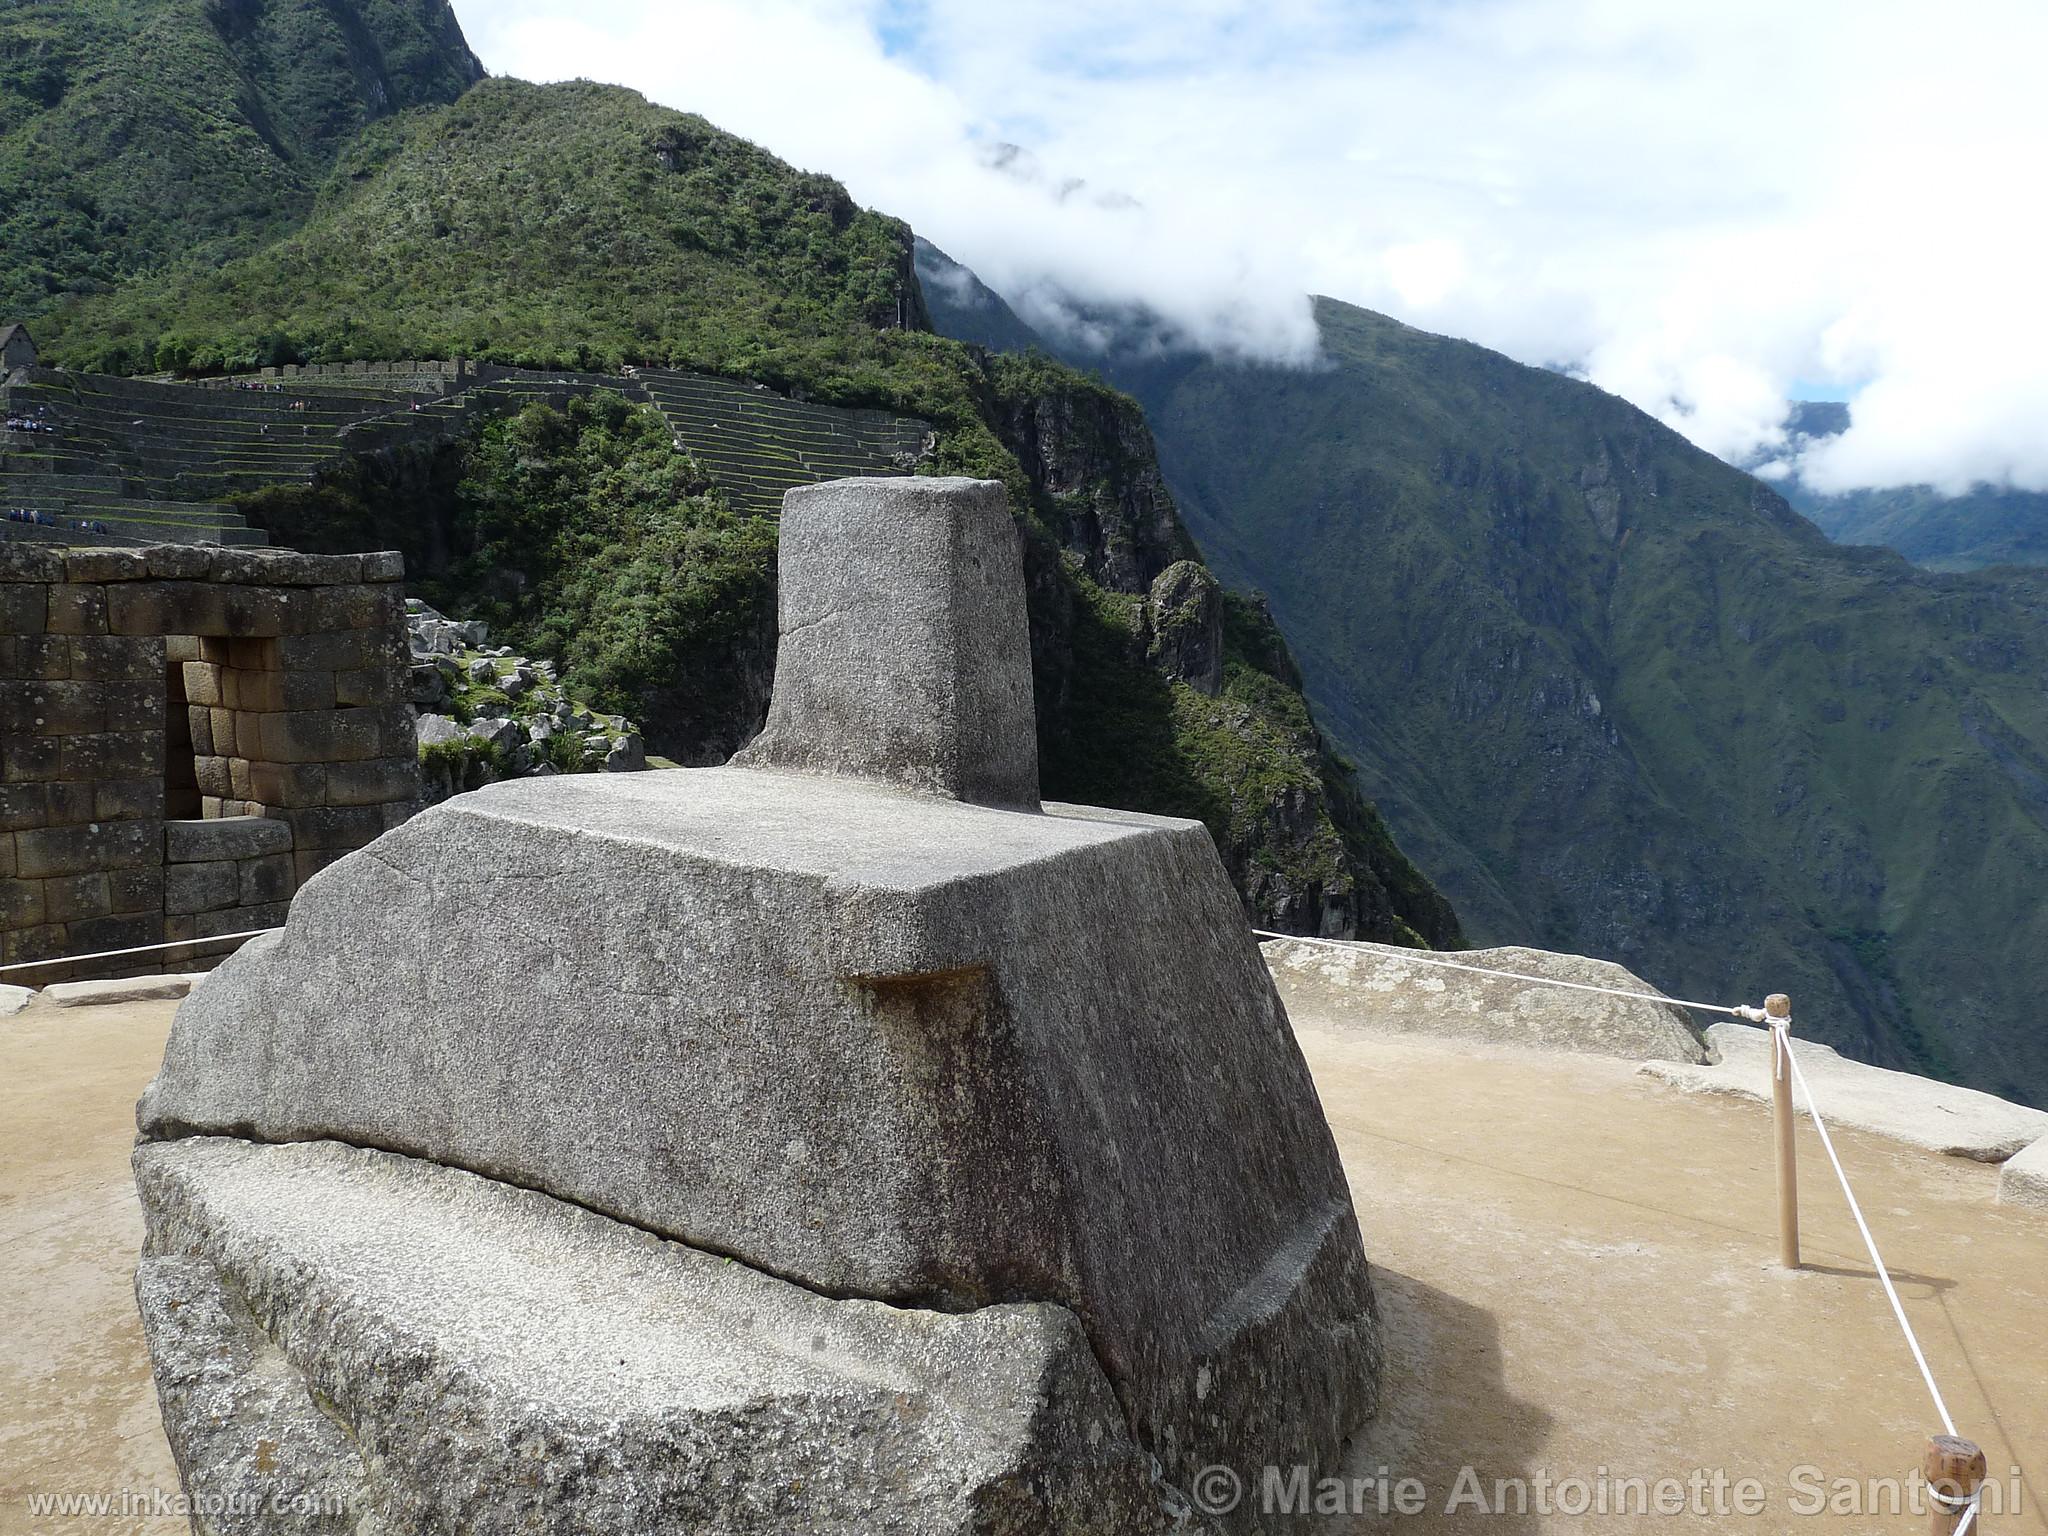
[(17, 349), (189, 734), (836, 1141)]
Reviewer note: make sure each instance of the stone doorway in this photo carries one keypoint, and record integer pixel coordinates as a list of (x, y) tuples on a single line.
[(181, 774), (187, 735)]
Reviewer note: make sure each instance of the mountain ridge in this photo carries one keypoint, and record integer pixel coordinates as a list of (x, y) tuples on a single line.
[(136, 134), (1984, 526), (1622, 699)]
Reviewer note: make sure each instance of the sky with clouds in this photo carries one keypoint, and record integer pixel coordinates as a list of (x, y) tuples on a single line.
[(1706, 206)]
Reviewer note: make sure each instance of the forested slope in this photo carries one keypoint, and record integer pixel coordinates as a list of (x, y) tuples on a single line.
[(1619, 698), (135, 134)]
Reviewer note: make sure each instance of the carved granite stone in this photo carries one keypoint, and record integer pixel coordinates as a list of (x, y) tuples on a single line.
[(835, 1027)]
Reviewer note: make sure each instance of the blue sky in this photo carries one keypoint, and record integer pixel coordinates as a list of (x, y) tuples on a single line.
[(1707, 206), (1820, 389)]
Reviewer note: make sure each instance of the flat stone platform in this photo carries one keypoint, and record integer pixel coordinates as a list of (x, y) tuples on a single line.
[(1919, 1111), (1574, 1263)]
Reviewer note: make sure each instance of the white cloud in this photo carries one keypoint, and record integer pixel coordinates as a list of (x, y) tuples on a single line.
[(1695, 202)]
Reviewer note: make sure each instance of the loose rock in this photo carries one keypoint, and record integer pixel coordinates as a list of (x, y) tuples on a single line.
[(130, 989), (2023, 1181), (1377, 986)]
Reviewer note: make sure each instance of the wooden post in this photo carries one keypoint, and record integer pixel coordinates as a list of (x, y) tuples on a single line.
[(1954, 1468), (1778, 1007)]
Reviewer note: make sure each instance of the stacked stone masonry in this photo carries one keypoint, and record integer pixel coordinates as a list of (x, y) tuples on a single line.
[(233, 874), (189, 734)]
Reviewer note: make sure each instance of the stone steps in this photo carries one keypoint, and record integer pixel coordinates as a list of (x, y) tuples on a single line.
[(115, 528), (68, 483), (709, 390), (210, 397), (117, 510), (20, 490), (32, 533), (802, 441)]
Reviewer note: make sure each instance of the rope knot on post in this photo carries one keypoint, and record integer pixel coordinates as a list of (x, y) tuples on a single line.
[(1955, 1469)]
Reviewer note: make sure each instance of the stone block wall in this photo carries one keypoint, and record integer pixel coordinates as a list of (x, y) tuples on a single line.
[(148, 693), (230, 874)]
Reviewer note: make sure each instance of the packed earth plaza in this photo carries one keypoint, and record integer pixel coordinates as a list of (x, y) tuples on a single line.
[(843, 1139)]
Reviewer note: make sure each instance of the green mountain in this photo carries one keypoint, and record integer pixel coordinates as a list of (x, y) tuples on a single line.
[(576, 225), (137, 133), (1982, 527), (1620, 698), (1985, 526), (579, 226), (965, 308)]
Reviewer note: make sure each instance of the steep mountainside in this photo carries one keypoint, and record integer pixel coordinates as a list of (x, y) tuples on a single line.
[(573, 225), (1984, 527), (1619, 698), (135, 133), (967, 309), (1260, 674), (580, 225)]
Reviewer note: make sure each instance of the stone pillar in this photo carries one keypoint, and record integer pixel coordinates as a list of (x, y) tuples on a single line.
[(926, 573)]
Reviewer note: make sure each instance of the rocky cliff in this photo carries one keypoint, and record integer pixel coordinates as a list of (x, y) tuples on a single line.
[(1157, 689)]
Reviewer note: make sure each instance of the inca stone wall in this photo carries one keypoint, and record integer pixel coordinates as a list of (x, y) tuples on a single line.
[(188, 734), (226, 876)]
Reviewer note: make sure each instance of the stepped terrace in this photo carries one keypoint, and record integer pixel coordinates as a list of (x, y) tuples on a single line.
[(94, 459)]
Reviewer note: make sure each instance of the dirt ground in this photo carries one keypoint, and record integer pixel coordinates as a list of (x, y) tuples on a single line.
[(1576, 1268), (77, 1412)]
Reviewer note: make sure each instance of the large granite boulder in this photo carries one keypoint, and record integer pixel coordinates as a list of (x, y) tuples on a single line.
[(1920, 1111), (379, 1344), (916, 1050), (839, 1029)]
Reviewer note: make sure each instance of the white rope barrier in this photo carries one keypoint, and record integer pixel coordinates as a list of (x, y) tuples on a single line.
[(1877, 1259), (1418, 957), (140, 949), (1782, 1056)]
